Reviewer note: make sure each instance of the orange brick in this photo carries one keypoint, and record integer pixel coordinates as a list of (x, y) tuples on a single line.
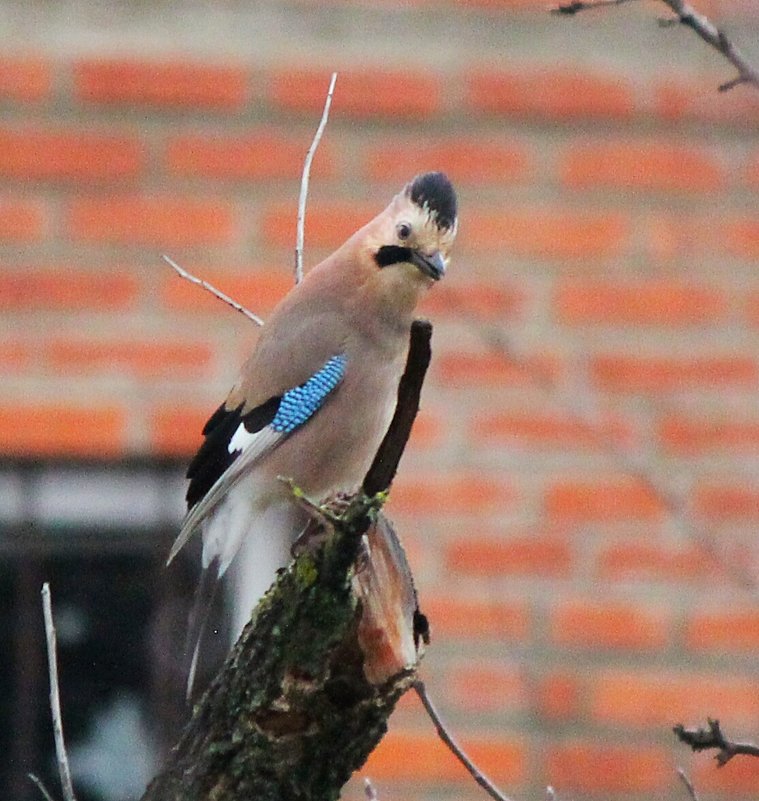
[(740, 777), (752, 308), (540, 555), (24, 79), (259, 290), (66, 289), (177, 432), (558, 696), (696, 99), (556, 432), (328, 225), (538, 233), (639, 699), (652, 562), (723, 503), (651, 303), (752, 171), (475, 619), (161, 83), (492, 369), (463, 160), (613, 626), (359, 92), (429, 430), (451, 494), (735, 630), (21, 220), (56, 431), (642, 165), (473, 299), (653, 374), (600, 768), (502, 758), (262, 155), (148, 359), (603, 501), (14, 355), (165, 221), (687, 436), (741, 238), (487, 687), (71, 155), (550, 94)]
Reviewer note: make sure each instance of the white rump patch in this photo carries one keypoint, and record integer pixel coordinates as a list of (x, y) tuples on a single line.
[(241, 439)]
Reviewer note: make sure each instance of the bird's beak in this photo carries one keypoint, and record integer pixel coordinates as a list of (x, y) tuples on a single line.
[(432, 265)]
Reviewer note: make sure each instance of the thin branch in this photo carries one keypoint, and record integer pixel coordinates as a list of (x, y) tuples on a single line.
[(691, 790), (454, 747), (686, 15), (300, 232), (718, 39), (382, 470), (217, 293), (55, 701), (632, 464), (583, 5), (40, 786), (702, 739)]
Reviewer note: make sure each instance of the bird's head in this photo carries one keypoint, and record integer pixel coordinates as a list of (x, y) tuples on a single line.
[(414, 235)]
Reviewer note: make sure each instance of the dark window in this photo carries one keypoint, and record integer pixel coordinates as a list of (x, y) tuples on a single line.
[(100, 536)]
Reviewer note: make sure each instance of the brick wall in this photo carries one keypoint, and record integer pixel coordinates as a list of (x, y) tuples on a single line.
[(588, 442)]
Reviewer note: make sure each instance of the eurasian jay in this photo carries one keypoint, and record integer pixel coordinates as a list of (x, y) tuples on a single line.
[(316, 396)]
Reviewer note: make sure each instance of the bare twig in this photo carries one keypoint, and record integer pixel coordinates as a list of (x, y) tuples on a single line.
[(217, 293), (718, 39), (692, 794), (55, 701), (454, 747), (630, 463), (40, 786), (583, 5), (300, 232), (686, 15), (702, 739)]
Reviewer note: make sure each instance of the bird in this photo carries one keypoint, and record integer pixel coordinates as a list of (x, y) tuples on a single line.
[(315, 397)]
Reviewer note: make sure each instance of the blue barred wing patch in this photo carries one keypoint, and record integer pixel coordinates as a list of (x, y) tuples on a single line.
[(299, 405)]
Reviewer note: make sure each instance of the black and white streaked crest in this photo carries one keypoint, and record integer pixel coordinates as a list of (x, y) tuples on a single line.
[(434, 192)]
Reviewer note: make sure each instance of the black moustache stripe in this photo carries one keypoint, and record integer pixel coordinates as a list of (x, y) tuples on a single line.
[(392, 254)]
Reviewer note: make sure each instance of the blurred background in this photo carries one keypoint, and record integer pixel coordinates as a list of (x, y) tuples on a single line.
[(580, 497)]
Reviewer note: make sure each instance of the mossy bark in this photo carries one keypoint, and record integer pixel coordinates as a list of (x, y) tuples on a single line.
[(305, 694), (292, 714)]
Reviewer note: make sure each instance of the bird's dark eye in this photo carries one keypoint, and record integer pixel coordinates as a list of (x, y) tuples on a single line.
[(404, 230)]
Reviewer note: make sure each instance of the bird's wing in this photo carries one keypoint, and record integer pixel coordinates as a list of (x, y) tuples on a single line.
[(235, 441)]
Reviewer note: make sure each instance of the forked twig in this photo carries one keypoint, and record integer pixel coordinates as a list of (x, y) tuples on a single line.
[(718, 39), (217, 293), (55, 701), (454, 747), (686, 15), (300, 232), (702, 739)]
